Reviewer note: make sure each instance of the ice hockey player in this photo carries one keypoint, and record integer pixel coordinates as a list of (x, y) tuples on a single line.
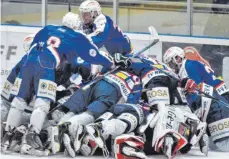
[(214, 112), (102, 30), (51, 47), (194, 70), (87, 105), (125, 118), (6, 92)]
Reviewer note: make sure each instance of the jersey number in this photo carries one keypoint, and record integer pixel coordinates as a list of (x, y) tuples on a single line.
[(54, 41)]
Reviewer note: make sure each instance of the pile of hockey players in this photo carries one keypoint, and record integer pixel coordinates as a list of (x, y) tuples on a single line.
[(125, 106)]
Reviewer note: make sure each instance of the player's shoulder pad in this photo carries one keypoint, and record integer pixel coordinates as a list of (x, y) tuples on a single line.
[(193, 64)]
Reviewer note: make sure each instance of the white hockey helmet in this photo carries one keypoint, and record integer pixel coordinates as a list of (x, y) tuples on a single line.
[(71, 20), (174, 57), (89, 10), (28, 41)]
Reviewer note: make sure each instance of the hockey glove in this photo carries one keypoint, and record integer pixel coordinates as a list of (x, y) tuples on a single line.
[(189, 85), (122, 61)]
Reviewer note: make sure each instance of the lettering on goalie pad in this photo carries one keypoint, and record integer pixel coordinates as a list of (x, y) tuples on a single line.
[(47, 89), (7, 89), (219, 129), (158, 95), (16, 86), (170, 119)]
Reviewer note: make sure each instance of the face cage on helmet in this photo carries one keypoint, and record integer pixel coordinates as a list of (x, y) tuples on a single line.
[(174, 64), (92, 16)]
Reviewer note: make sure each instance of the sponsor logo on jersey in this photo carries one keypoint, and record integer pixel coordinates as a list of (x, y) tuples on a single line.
[(92, 52), (16, 86), (47, 89), (222, 88), (151, 74), (43, 85), (219, 129), (7, 89), (125, 91), (121, 75), (157, 95), (162, 93), (121, 79), (206, 88)]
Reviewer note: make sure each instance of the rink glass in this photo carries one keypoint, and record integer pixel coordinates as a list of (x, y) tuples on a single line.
[(209, 18)]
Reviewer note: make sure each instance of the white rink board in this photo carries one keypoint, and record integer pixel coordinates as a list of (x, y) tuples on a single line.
[(193, 154), (12, 44)]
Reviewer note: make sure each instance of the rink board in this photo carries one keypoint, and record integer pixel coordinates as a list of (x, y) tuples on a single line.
[(12, 48)]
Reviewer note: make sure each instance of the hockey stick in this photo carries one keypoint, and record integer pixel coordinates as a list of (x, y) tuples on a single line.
[(153, 33), (155, 36)]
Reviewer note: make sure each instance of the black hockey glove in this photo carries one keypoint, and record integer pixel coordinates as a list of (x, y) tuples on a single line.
[(122, 61)]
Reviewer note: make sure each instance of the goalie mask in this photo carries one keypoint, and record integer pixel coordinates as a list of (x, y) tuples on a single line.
[(129, 147), (174, 57)]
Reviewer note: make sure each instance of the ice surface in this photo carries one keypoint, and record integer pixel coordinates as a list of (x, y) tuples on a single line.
[(193, 154)]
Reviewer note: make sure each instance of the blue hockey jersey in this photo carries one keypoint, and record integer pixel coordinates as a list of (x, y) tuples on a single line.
[(67, 44), (200, 72), (104, 33)]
